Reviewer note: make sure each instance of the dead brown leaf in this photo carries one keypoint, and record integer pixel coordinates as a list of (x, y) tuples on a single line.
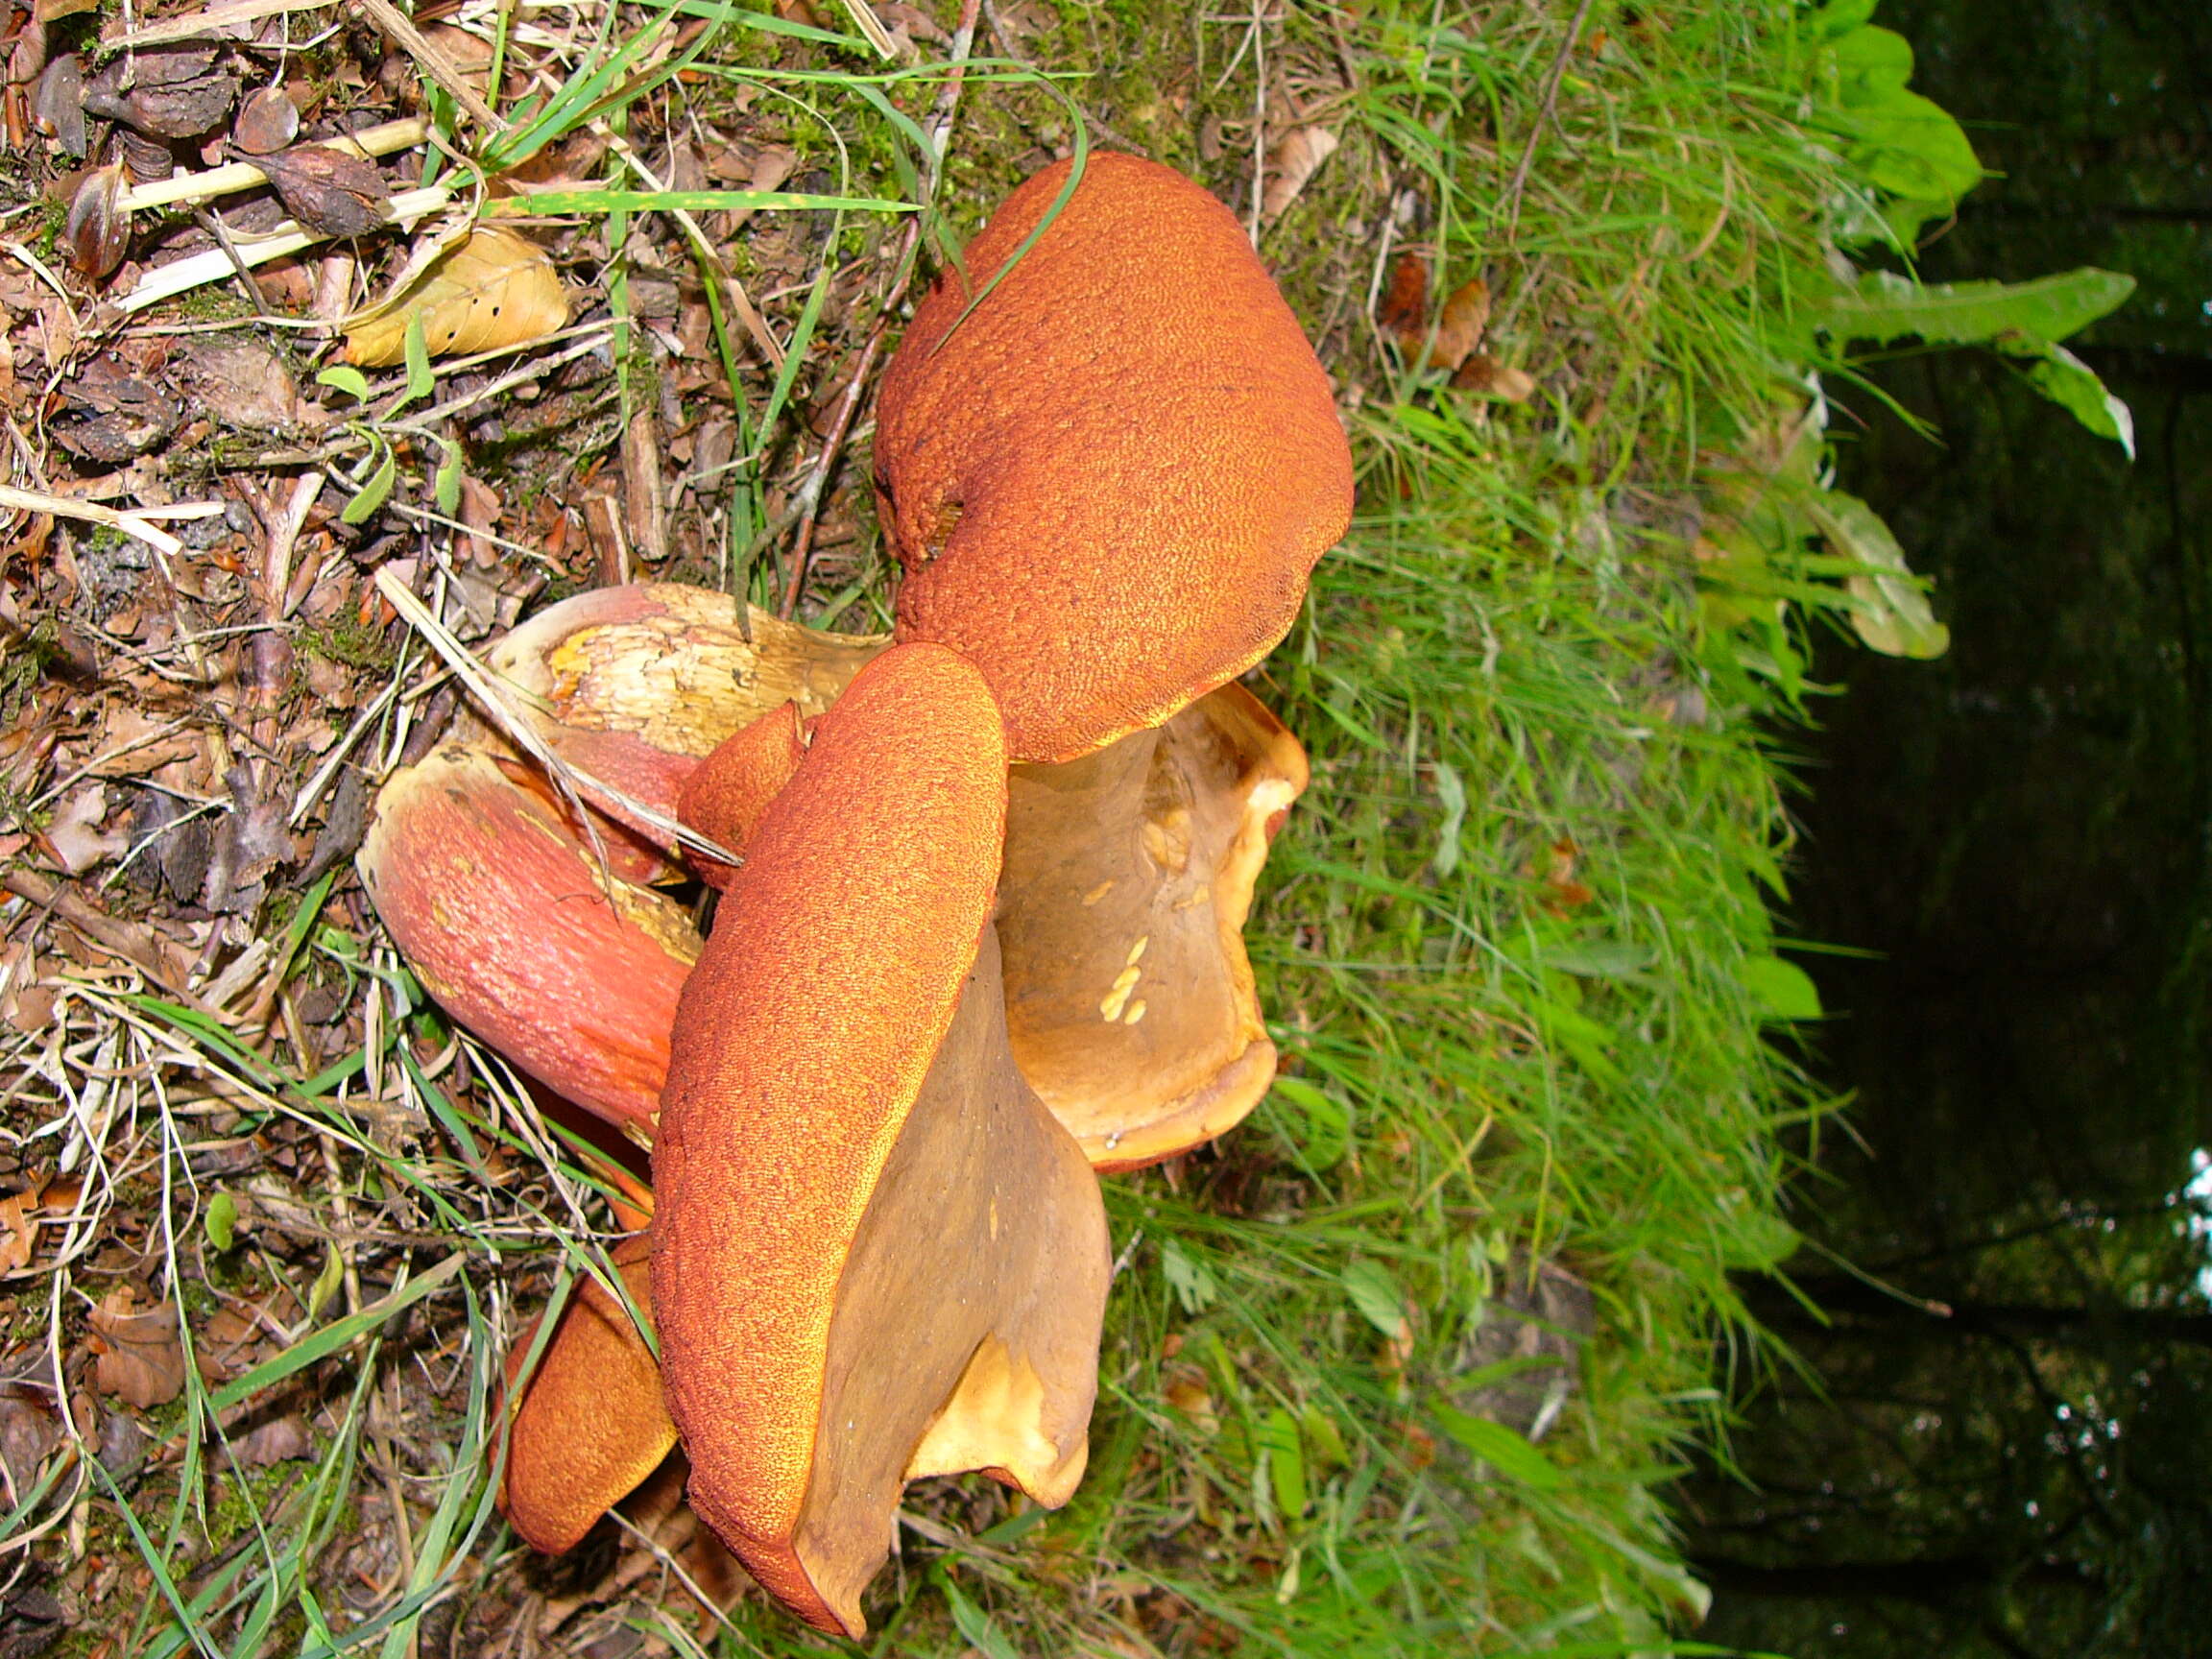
[(268, 120), (1188, 1394), (1459, 330), (1563, 891), (26, 53), (1403, 313), (140, 1356), (1297, 155), (58, 108), (1484, 373), (329, 191), (134, 741), (30, 1430), (74, 835), (278, 1440), (496, 290), (242, 383), (19, 1233), (98, 231)]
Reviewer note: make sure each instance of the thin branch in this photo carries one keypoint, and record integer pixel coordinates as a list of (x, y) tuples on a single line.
[(1546, 114)]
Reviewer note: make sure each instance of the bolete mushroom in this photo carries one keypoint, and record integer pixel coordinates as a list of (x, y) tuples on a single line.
[(1151, 846), (532, 921), (877, 1255), (590, 1424), (1108, 478)]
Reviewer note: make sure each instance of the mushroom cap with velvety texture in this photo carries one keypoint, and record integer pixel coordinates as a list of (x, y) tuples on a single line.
[(590, 1424), (876, 1255), (1108, 482)]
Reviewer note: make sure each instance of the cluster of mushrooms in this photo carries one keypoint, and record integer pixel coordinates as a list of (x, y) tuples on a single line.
[(978, 936)]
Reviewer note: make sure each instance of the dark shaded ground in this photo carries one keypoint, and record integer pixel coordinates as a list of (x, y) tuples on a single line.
[(2016, 837)]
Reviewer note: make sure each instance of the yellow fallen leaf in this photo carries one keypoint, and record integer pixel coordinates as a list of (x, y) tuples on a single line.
[(1292, 161), (495, 290), (1484, 373)]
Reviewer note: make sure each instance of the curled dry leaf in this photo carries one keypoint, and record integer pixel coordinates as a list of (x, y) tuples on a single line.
[(496, 290), (75, 834), (59, 106), (268, 120), (27, 57), (164, 91), (1405, 309), (1459, 330), (279, 1440), (243, 383), (330, 192), (1484, 373), (1294, 160), (98, 229), (140, 1356), (19, 1232)]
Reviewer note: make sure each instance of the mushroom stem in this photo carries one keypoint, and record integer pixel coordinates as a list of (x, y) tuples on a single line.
[(487, 884)]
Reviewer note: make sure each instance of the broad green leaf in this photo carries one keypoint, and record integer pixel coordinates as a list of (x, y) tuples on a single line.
[(1324, 1440), (363, 507), (1277, 1439), (1500, 1446), (445, 487), (1377, 1295), (1782, 988), (1891, 614), (1910, 146), (2074, 386), (1886, 307), (345, 378), (326, 1283), (1839, 17), (416, 348), (1871, 64)]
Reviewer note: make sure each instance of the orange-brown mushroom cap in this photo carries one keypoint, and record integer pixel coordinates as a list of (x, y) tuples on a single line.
[(728, 794), (876, 1255), (591, 1423), (1107, 483)]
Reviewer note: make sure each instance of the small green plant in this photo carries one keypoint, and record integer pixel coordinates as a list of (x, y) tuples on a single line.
[(1906, 162)]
